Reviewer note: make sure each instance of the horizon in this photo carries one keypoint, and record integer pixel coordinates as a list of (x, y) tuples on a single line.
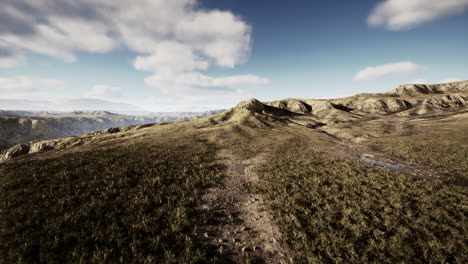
[(213, 54)]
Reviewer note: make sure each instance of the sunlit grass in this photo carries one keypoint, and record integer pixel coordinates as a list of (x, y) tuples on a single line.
[(340, 212)]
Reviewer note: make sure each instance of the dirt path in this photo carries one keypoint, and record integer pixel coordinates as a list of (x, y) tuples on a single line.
[(240, 226)]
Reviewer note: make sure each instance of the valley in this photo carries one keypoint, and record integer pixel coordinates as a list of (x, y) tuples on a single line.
[(24, 126), (373, 178)]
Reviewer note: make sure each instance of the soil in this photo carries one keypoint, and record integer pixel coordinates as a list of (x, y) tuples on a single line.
[(240, 226)]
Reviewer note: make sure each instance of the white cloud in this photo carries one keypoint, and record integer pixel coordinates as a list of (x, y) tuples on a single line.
[(11, 61), (104, 92), (419, 81), (399, 15), (186, 82), (29, 86), (448, 80), (386, 70), (171, 57), (29, 83), (176, 41)]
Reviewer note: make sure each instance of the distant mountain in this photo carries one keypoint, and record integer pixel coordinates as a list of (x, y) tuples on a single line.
[(24, 126), (368, 178), (69, 105)]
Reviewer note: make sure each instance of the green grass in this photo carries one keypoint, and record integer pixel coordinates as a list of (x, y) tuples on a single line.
[(445, 152), (333, 211), (129, 202)]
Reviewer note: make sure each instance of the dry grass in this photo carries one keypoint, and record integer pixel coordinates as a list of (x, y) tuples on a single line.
[(439, 144), (127, 202), (340, 212)]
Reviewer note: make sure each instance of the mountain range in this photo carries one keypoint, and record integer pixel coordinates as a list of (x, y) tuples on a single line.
[(371, 178)]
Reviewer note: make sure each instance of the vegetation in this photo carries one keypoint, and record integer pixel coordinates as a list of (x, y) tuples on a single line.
[(445, 151), (121, 203), (131, 195), (340, 212)]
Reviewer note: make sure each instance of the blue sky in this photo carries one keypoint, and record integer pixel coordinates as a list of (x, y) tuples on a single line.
[(196, 55)]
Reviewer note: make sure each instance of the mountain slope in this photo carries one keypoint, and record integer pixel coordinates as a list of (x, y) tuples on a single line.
[(332, 180), (22, 129)]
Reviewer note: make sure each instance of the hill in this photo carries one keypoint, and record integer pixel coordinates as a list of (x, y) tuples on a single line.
[(372, 178), (24, 126)]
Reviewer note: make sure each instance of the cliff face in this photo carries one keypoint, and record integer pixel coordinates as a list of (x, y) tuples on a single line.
[(21, 129)]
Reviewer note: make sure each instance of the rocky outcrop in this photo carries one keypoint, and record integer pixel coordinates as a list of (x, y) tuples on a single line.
[(440, 103), (383, 106), (454, 87), (16, 151), (253, 105)]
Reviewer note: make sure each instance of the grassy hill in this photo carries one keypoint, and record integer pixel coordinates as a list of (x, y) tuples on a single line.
[(18, 127), (377, 178)]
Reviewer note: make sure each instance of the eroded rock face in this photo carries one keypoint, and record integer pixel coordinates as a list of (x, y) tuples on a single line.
[(319, 107), (454, 87), (383, 106), (397, 105), (252, 105), (299, 107), (280, 104), (16, 151), (446, 101), (295, 106), (42, 146)]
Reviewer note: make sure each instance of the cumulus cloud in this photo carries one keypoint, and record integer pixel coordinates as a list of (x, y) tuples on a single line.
[(104, 92), (399, 15), (174, 40), (385, 70), (183, 82)]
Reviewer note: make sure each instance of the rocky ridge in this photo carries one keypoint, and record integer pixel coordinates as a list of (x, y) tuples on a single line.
[(410, 100)]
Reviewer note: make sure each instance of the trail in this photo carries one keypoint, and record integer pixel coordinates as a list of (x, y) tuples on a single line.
[(240, 226)]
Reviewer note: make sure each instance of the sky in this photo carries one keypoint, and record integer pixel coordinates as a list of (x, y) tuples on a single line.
[(183, 55)]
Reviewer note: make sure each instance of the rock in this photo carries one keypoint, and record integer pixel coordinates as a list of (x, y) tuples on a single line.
[(446, 101), (299, 107), (397, 105), (453, 87), (113, 130), (280, 104), (320, 108), (42, 146), (252, 105), (373, 106), (383, 106), (246, 249), (18, 150), (314, 124)]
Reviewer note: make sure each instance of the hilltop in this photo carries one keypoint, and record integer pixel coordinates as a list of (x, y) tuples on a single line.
[(367, 178)]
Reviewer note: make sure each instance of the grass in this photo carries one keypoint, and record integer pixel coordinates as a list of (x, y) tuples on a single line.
[(333, 211), (128, 202), (446, 152), (132, 197)]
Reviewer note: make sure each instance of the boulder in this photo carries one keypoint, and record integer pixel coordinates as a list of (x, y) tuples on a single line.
[(18, 150)]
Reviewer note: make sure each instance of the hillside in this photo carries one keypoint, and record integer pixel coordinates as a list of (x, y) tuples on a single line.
[(24, 126), (372, 178)]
